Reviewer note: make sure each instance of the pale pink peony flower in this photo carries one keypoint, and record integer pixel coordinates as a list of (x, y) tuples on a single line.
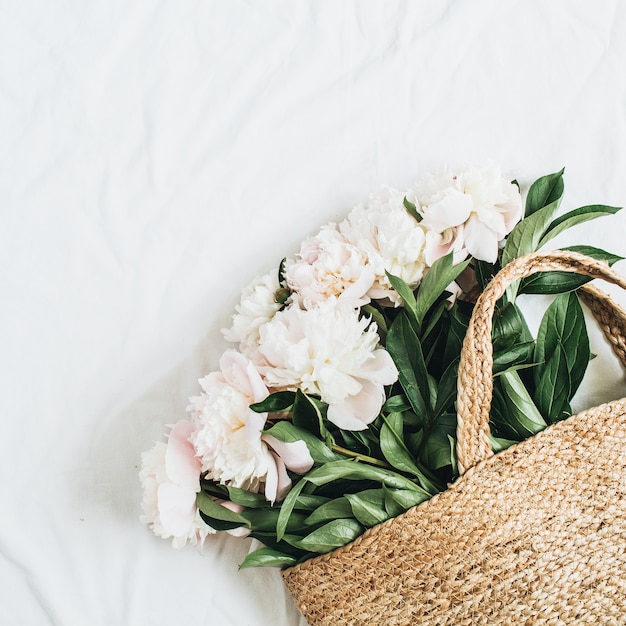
[(170, 477), (258, 304), (330, 352), (228, 435), (328, 266), (391, 239), (468, 213)]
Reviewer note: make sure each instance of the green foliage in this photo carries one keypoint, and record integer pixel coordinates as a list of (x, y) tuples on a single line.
[(266, 557), (577, 216), (562, 354), (412, 209), (275, 402), (406, 352), (546, 191), (393, 447), (332, 535)]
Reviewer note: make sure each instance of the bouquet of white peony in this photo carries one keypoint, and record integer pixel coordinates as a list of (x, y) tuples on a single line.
[(335, 409)]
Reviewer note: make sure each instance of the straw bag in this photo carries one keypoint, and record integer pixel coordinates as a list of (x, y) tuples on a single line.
[(533, 535)]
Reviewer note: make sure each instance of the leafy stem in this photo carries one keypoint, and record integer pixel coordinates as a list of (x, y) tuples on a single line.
[(361, 457)]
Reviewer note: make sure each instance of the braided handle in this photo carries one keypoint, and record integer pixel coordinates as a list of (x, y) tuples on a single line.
[(475, 384)]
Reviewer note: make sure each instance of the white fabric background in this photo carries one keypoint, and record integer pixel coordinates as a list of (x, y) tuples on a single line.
[(154, 157)]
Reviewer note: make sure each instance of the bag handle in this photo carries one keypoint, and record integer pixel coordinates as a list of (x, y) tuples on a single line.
[(475, 383)]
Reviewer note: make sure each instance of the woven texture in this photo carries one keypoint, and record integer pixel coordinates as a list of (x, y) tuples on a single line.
[(533, 535)]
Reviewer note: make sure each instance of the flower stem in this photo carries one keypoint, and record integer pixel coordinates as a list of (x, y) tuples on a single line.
[(361, 457)]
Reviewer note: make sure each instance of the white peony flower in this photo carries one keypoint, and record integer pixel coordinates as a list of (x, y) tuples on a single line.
[(328, 266), (229, 436), (468, 212), (258, 305), (170, 476), (330, 352), (392, 240)]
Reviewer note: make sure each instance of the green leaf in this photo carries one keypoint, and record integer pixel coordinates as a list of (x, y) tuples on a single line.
[(332, 535), (522, 414), (392, 507), (406, 352), (246, 498), (265, 520), (516, 357), (287, 508), (275, 402), (412, 209), (545, 191), (562, 354), (307, 414), (525, 237), (562, 282), (513, 344), (214, 510), (453, 459), (333, 509), (456, 334), (498, 444), (508, 321), (352, 470), (267, 557), (309, 502), (393, 447), (396, 403), (447, 390), (577, 216), (287, 432), (437, 451), (484, 272), (368, 507), (434, 331), (400, 499), (407, 295), (434, 284), (281, 272)]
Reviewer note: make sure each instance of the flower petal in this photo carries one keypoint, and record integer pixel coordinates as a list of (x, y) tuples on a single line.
[(177, 508), (271, 481), (380, 369), (356, 412), (452, 210), (295, 454), (231, 506), (284, 482), (181, 464), (513, 209), (435, 247), (254, 424), (493, 219), (277, 481), (241, 374), (480, 241)]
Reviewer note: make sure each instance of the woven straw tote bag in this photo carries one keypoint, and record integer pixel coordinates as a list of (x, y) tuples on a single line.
[(533, 535)]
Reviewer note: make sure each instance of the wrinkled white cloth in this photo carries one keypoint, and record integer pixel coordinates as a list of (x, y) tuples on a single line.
[(155, 157)]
